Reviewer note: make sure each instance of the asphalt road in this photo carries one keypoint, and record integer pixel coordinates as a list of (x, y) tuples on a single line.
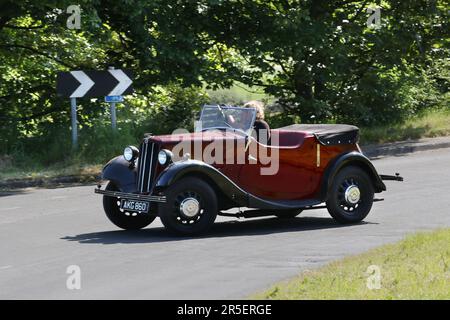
[(42, 232)]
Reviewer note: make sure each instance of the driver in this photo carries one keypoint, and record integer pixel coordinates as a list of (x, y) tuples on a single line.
[(260, 126)]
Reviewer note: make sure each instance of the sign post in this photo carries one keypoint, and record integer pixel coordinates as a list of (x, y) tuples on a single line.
[(112, 83), (73, 116), (112, 100), (113, 115), (112, 109)]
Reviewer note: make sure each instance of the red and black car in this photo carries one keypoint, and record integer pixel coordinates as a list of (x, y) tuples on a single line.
[(187, 179)]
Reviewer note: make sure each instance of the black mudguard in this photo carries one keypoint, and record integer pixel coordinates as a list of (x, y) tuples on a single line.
[(119, 171), (204, 171), (345, 159)]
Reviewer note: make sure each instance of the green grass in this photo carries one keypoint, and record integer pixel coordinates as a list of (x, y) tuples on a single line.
[(417, 267), (42, 160), (238, 94), (57, 170), (432, 123)]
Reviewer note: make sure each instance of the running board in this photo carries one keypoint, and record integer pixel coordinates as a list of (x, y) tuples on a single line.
[(254, 213), (249, 214), (256, 202)]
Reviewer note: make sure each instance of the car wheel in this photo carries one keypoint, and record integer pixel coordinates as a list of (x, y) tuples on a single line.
[(121, 218), (288, 214), (351, 195), (191, 207)]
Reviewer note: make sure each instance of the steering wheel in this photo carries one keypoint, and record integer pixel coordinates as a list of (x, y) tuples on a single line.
[(224, 117)]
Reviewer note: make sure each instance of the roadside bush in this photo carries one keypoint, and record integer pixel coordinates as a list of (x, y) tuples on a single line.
[(379, 98), (49, 143)]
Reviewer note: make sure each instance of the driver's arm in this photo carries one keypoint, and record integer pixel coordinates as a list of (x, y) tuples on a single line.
[(230, 119)]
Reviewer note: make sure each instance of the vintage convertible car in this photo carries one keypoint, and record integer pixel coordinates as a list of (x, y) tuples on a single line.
[(187, 179)]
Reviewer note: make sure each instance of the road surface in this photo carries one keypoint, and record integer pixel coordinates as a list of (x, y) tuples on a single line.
[(44, 231)]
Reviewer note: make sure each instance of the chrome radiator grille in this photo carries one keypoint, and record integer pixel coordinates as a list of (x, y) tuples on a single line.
[(148, 153)]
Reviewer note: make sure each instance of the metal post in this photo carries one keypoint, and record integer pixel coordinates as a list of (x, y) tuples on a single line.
[(113, 115), (73, 113), (112, 108)]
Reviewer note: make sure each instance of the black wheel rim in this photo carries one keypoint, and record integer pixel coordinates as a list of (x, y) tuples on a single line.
[(182, 218), (348, 207)]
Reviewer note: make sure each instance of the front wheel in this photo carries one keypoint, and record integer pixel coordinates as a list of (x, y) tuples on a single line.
[(191, 207), (123, 219), (351, 195)]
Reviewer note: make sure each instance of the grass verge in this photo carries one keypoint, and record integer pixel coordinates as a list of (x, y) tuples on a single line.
[(417, 267), (57, 170), (430, 124)]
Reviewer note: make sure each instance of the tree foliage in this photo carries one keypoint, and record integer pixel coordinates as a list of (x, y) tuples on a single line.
[(322, 60), (318, 58)]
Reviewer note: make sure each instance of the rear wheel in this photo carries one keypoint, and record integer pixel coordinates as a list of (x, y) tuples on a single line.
[(288, 214), (121, 218), (351, 195), (191, 207)]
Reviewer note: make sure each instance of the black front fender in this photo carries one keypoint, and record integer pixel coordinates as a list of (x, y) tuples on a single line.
[(350, 158), (119, 171), (204, 171)]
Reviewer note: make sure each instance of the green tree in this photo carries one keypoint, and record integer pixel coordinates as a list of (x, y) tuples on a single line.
[(323, 61), (35, 44), (317, 57)]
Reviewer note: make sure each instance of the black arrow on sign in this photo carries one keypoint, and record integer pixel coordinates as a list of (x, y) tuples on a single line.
[(91, 84)]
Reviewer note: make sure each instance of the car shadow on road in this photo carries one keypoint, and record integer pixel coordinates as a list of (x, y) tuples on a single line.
[(234, 228)]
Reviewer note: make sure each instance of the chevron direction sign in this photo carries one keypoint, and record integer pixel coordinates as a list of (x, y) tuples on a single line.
[(92, 84)]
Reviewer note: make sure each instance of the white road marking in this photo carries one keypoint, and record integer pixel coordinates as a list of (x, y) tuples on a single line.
[(5, 267), (58, 197), (11, 208)]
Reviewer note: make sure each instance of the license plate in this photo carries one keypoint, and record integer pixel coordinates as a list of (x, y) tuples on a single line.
[(134, 205)]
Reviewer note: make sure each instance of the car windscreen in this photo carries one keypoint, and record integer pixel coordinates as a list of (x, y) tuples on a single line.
[(217, 117)]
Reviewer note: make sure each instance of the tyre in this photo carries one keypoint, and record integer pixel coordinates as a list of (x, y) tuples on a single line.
[(191, 207), (288, 214), (351, 195), (120, 217)]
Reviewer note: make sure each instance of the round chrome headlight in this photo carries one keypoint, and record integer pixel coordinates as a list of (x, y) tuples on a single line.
[(130, 153), (164, 157)]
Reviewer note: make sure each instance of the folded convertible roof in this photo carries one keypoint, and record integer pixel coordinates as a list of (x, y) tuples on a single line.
[(328, 134)]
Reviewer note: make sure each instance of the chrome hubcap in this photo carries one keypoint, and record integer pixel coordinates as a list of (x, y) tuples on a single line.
[(190, 207), (352, 194)]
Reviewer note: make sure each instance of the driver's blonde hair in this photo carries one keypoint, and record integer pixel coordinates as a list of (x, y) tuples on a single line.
[(259, 106)]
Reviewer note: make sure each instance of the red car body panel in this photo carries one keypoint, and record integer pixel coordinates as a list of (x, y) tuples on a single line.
[(302, 160)]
